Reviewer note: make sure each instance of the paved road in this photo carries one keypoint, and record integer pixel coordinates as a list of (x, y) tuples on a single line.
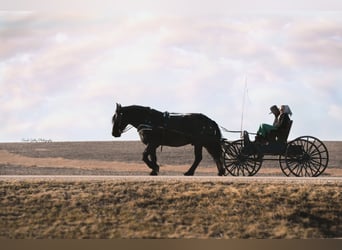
[(273, 179)]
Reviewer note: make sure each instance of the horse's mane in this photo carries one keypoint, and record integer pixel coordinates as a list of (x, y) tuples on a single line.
[(141, 109)]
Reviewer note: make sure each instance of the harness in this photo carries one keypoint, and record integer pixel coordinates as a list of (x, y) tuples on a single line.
[(164, 126), (168, 116), (168, 124)]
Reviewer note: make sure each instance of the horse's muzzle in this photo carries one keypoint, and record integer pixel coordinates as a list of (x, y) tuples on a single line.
[(116, 133)]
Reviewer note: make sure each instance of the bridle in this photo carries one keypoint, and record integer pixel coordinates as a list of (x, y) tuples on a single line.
[(118, 119), (128, 127)]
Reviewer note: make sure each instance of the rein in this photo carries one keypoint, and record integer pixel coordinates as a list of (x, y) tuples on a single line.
[(234, 131), (129, 127)]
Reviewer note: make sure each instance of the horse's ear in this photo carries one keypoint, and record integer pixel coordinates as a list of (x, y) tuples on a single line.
[(118, 107)]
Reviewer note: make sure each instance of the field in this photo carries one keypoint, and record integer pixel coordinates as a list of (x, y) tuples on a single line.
[(155, 208), (120, 158)]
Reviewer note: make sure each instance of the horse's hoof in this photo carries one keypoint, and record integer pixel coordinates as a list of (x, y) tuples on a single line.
[(221, 173), (188, 174), (154, 173)]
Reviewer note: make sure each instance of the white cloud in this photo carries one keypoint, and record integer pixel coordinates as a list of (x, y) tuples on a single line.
[(64, 72)]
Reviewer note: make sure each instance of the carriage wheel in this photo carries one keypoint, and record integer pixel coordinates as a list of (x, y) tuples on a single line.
[(236, 162), (283, 165), (305, 156)]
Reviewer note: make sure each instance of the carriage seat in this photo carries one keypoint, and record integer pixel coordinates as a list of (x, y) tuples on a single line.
[(280, 135)]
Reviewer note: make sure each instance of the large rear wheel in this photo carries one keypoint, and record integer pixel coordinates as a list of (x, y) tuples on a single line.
[(305, 156)]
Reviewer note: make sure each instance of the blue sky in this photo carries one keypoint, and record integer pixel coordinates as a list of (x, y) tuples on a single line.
[(61, 72)]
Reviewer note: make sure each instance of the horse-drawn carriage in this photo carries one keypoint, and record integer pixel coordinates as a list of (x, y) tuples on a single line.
[(303, 156)]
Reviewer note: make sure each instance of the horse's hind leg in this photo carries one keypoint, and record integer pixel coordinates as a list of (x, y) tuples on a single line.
[(150, 158), (198, 158), (215, 151)]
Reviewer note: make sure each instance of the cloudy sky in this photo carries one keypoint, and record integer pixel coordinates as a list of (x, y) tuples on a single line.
[(61, 72)]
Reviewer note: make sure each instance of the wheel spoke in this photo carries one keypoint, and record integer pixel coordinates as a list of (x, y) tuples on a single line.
[(312, 161), (283, 165), (238, 163)]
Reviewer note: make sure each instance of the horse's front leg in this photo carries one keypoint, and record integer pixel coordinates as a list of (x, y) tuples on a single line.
[(150, 158), (198, 158)]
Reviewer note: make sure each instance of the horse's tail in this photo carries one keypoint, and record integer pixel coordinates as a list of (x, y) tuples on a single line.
[(214, 129), (214, 145), (208, 128), (217, 130)]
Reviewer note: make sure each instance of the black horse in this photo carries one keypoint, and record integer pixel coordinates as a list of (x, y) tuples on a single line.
[(157, 128)]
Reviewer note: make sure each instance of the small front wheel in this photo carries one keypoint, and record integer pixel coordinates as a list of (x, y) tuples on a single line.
[(238, 163)]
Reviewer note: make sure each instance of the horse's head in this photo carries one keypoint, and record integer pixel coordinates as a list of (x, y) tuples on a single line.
[(118, 121)]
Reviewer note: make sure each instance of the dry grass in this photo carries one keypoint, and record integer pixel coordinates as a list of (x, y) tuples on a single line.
[(108, 209)]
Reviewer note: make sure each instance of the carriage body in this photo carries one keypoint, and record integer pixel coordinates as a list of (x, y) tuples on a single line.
[(304, 156)]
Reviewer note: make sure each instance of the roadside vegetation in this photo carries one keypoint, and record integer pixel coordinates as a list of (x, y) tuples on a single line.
[(175, 209)]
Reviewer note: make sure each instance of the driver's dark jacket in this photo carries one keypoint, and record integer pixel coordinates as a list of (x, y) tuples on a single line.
[(282, 122)]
